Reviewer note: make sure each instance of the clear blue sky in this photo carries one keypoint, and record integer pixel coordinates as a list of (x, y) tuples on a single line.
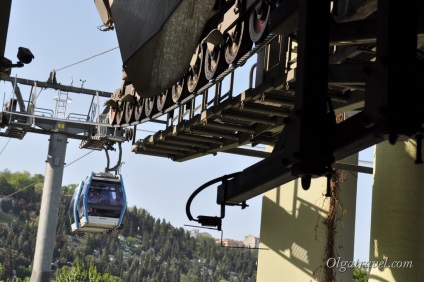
[(60, 33)]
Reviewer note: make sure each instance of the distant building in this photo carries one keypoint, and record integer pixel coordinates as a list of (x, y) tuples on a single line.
[(251, 241), (229, 242)]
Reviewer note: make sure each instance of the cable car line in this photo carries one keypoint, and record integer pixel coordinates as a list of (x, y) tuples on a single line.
[(89, 58), (43, 179), (5, 145), (16, 192), (78, 159)]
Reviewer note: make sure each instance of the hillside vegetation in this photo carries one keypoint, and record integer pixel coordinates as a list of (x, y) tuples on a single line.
[(147, 249)]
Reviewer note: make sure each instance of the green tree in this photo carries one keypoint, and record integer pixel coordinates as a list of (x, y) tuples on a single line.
[(189, 278), (69, 189), (360, 274), (7, 271), (78, 273), (153, 250), (5, 187), (6, 205)]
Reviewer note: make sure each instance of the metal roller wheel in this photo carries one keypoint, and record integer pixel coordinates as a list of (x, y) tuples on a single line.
[(119, 116), (129, 112), (164, 100), (112, 116), (138, 108), (258, 21), (214, 61), (196, 78), (149, 106), (179, 91), (238, 43)]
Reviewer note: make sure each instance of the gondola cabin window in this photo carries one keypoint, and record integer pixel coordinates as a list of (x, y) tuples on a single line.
[(105, 199)]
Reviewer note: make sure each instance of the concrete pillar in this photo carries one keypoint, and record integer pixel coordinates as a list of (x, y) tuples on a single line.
[(397, 220), (293, 229), (43, 256)]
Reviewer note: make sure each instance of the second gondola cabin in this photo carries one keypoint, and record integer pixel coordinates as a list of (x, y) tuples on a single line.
[(98, 204)]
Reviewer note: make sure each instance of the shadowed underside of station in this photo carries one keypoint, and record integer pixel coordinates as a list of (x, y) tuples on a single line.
[(313, 60), (366, 59)]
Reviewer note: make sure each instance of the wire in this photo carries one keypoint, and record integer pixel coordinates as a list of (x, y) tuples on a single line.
[(78, 159), (39, 92), (5, 146), (365, 162), (86, 59), (42, 180), (22, 189), (148, 131)]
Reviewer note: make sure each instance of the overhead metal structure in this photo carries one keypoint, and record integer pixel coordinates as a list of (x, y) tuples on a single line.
[(393, 99), (367, 57), (315, 59), (21, 116)]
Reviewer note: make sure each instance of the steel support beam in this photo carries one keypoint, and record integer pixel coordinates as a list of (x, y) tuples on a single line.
[(391, 82), (387, 104), (284, 20), (211, 140), (350, 137), (77, 90), (249, 118), (266, 110), (5, 6), (310, 124), (49, 210), (248, 152)]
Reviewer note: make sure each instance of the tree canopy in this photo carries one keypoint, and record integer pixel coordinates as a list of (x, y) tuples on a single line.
[(147, 249)]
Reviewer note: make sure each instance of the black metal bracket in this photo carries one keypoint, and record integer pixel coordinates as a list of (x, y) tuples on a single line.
[(211, 221)]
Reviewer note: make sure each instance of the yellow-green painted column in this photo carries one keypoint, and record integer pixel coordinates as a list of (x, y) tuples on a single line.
[(397, 220), (294, 229)]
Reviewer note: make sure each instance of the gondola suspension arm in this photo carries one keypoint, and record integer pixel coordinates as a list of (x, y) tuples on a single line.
[(118, 164)]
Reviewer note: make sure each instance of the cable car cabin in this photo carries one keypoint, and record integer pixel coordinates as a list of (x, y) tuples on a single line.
[(98, 205)]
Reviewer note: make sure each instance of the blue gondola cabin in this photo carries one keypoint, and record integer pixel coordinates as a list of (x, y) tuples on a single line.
[(98, 204)]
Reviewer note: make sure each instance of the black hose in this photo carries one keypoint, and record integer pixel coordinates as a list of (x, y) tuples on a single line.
[(201, 188)]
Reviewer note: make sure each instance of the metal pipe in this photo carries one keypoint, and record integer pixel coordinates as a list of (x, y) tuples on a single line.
[(205, 131), (254, 119), (230, 127), (186, 143), (230, 92), (163, 151), (200, 138), (251, 75), (172, 147), (271, 111)]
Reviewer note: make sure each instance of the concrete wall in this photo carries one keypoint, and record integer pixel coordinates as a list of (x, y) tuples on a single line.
[(293, 230), (397, 221)]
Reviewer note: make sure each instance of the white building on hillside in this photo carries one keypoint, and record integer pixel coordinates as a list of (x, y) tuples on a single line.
[(251, 241)]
